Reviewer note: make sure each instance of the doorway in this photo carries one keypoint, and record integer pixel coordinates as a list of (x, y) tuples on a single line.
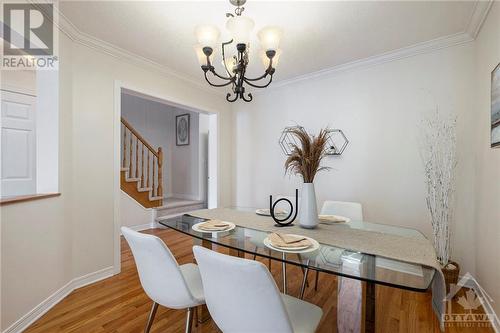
[(188, 138)]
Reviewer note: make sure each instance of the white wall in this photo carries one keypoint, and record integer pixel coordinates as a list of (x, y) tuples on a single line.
[(487, 200), (36, 250), (133, 214), (19, 81), (47, 134), (204, 126), (378, 108)]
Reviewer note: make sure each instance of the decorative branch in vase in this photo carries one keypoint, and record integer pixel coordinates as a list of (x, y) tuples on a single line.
[(305, 160), (438, 151)]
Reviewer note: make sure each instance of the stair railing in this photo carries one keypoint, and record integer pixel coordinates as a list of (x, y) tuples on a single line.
[(142, 160)]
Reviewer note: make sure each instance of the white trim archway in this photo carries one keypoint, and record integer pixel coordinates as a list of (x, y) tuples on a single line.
[(131, 89)]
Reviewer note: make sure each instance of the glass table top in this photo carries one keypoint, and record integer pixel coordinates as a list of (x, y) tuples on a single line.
[(327, 258)]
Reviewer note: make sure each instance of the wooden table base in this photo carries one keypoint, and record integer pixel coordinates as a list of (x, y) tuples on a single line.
[(355, 306)]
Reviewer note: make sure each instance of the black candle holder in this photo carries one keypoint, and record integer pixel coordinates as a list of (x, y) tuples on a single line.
[(284, 222)]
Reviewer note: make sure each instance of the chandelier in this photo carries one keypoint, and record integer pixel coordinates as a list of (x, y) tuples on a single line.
[(235, 64)]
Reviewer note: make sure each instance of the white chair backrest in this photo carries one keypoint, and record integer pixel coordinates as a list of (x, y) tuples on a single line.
[(158, 270), (241, 294), (352, 210)]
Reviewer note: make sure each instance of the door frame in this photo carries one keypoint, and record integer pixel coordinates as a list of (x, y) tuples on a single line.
[(119, 86)]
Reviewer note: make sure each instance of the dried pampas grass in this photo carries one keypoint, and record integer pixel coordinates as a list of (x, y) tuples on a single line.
[(305, 160)]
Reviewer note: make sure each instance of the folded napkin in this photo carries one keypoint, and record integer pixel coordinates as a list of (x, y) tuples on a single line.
[(214, 225), (331, 218), (288, 241), (277, 211)]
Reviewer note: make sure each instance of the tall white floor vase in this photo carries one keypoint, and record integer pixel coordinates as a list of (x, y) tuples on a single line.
[(308, 212)]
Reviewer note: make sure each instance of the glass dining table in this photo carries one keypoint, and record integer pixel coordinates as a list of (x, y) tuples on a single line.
[(359, 271)]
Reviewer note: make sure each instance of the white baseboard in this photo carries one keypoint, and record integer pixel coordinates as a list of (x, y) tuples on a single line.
[(473, 284), (39, 310), (142, 227), (193, 197), (166, 217)]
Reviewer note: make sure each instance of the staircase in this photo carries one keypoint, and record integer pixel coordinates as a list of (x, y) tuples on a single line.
[(141, 168), (175, 207)]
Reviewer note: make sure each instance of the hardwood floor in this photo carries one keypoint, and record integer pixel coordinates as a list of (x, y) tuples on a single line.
[(118, 304)]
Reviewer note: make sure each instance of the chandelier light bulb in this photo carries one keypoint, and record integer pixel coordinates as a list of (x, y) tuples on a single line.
[(202, 58), (270, 38), (207, 35), (265, 59), (240, 28)]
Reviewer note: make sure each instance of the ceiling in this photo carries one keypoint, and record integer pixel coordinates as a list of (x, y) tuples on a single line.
[(317, 35)]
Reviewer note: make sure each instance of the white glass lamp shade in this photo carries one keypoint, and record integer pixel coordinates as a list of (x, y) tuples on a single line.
[(240, 28), (202, 58), (265, 59), (269, 38), (207, 35)]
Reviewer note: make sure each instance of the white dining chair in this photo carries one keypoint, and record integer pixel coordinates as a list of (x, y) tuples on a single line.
[(351, 210), (163, 280), (242, 297)]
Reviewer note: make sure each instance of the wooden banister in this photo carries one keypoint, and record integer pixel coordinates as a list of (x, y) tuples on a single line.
[(139, 137), (139, 160), (160, 172)]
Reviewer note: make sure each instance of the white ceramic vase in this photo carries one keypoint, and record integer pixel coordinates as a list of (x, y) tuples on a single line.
[(308, 212)]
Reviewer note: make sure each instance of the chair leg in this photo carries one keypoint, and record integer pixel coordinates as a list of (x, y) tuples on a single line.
[(255, 253), (152, 314), (304, 281), (283, 269), (195, 316), (316, 281), (269, 261), (189, 319), (303, 270)]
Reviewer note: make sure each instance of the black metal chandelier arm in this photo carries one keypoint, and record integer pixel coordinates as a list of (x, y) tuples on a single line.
[(224, 55), (269, 71), (258, 86), (250, 97), (217, 85), (232, 99), (231, 78)]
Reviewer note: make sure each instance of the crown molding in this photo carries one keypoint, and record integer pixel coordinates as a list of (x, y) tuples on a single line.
[(476, 20), (406, 52), (478, 16), (72, 32)]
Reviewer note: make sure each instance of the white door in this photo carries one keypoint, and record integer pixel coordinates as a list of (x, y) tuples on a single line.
[(18, 144), (212, 161)]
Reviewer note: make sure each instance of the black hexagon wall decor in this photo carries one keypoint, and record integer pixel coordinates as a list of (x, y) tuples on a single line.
[(287, 140), (336, 143)]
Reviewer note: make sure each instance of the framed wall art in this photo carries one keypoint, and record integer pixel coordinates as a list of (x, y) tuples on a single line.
[(495, 107), (182, 129)]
